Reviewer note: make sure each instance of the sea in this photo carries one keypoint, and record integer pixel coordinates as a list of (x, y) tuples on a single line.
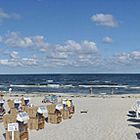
[(71, 83)]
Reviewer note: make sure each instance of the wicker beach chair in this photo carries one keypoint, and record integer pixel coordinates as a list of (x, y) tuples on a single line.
[(136, 108), (2, 109)]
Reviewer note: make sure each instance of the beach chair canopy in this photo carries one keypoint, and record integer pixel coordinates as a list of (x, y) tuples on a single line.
[(136, 105), (23, 117), (64, 101), (59, 107), (27, 100), (2, 101), (17, 101), (43, 110)]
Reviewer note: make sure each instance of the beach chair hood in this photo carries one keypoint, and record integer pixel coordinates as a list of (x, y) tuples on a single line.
[(17, 101), (43, 110), (59, 107), (2, 101), (27, 101), (64, 101), (23, 117), (136, 105), (27, 98)]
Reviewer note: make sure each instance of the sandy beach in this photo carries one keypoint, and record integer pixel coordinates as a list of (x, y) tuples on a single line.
[(106, 119)]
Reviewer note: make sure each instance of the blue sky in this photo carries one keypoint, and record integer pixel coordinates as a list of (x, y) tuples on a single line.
[(69, 36)]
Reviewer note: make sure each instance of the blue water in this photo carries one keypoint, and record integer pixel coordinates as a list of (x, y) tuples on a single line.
[(72, 83)]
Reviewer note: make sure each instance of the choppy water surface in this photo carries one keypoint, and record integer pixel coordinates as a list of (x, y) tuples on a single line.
[(72, 83)]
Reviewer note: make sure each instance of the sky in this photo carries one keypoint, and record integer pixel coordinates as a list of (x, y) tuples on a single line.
[(69, 36)]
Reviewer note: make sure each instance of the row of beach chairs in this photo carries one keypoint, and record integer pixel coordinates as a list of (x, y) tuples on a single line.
[(29, 116)]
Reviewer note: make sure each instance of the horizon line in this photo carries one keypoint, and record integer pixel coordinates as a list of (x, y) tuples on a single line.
[(70, 73)]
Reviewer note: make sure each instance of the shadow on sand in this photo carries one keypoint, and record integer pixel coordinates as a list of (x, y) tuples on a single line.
[(4, 135), (138, 136), (131, 114), (135, 125), (134, 120)]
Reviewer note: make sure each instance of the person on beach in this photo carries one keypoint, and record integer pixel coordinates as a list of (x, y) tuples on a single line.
[(64, 102), (90, 90), (68, 103)]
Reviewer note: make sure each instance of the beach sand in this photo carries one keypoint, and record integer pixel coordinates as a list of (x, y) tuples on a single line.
[(106, 119)]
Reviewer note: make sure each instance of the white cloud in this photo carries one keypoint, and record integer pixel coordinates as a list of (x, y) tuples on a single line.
[(104, 20), (11, 62), (14, 39), (14, 55), (74, 59), (88, 59), (122, 58), (135, 55), (89, 47), (73, 46), (29, 61), (73, 53), (132, 58), (39, 41), (59, 55), (107, 40), (4, 15), (15, 60), (4, 62)]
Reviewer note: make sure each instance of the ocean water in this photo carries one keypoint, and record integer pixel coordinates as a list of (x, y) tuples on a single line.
[(72, 83)]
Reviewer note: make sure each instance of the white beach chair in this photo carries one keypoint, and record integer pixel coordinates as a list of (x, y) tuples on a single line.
[(136, 108)]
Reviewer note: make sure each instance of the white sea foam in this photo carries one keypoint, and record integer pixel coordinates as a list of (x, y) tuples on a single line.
[(137, 87), (53, 85), (67, 86), (107, 81), (103, 93), (96, 81), (104, 86), (43, 86), (28, 86), (71, 86), (50, 81)]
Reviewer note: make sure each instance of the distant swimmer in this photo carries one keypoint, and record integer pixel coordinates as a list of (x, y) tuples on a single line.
[(90, 90), (10, 90), (112, 92)]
